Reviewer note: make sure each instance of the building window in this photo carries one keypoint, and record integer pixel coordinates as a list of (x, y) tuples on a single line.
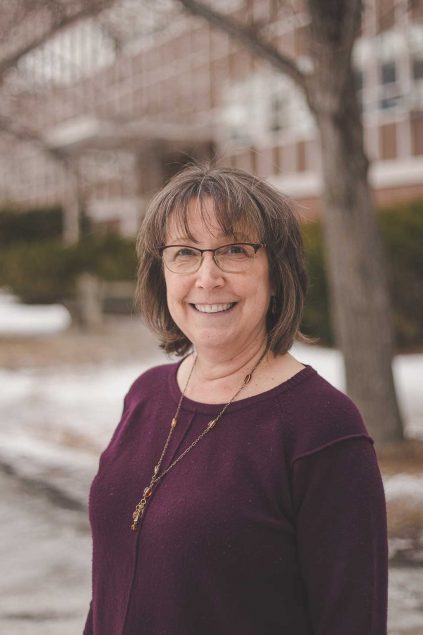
[(287, 109), (417, 66), (389, 73), (415, 44), (278, 113), (390, 96)]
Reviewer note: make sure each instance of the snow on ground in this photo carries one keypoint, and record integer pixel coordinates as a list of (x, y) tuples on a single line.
[(409, 485), (54, 421), (21, 319), (87, 400), (51, 418), (81, 405)]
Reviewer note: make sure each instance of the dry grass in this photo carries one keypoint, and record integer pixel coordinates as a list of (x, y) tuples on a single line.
[(405, 515), (118, 339), (404, 457), (405, 520)]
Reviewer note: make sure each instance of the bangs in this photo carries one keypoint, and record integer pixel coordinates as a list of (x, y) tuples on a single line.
[(234, 211)]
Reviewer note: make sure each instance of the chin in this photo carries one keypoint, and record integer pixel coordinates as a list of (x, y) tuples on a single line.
[(213, 338)]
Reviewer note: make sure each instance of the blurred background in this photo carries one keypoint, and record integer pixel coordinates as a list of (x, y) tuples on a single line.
[(101, 102)]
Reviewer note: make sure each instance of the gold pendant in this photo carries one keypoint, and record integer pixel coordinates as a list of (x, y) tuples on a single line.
[(139, 509)]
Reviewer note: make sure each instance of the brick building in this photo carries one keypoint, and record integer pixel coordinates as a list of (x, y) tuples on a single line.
[(123, 123)]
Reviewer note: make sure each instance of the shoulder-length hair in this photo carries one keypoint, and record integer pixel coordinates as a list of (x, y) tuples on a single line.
[(240, 200)]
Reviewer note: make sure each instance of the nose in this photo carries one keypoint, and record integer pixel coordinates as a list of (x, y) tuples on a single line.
[(209, 275)]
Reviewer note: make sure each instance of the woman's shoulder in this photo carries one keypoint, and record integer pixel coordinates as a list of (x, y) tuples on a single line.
[(148, 390), (320, 415)]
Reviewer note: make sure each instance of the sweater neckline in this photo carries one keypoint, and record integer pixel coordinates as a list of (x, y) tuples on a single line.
[(211, 408)]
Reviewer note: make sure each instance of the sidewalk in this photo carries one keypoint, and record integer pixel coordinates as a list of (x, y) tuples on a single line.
[(45, 551)]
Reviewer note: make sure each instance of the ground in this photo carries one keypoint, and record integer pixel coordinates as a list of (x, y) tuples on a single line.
[(47, 466)]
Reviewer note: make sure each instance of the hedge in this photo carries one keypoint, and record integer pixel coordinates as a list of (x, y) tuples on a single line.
[(45, 271), (402, 233), (401, 228), (30, 225)]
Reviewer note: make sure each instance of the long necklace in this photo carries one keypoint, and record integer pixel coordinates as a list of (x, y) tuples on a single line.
[(157, 476)]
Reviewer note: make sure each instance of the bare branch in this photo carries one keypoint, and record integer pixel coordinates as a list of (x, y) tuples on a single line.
[(26, 135), (59, 21), (251, 40)]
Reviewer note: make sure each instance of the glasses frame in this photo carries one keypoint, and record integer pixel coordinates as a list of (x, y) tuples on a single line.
[(256, 247)]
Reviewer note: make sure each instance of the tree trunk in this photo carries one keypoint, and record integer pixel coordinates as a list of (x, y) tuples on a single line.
[(360, 304), (71, 208)]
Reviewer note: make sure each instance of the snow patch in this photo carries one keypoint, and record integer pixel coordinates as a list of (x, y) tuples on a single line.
[(23, 319)]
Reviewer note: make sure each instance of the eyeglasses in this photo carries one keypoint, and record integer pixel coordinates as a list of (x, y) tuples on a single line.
[(233, 258)]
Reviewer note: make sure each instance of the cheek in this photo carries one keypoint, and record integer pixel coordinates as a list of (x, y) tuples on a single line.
[(176, 289), (262, 287)]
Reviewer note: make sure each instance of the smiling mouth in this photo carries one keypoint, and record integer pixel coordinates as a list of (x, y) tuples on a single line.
[(213, 308)]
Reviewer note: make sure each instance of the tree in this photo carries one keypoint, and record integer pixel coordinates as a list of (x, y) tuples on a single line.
[(360, 301), (356, 271), (25, 25), (30, 65), (49, 16)]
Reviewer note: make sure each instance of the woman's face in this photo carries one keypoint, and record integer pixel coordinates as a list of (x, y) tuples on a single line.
[(190, 297)]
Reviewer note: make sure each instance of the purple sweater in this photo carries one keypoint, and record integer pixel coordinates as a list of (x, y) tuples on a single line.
[(274, 524)]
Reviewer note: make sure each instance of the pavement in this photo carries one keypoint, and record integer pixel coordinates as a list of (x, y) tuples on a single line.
[(45, 551), (45, 559)]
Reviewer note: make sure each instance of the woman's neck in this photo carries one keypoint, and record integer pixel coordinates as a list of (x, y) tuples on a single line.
[(215, 379), (211, 368)]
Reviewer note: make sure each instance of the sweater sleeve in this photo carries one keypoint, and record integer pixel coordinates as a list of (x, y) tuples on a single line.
[(342, 537), (89, 626)]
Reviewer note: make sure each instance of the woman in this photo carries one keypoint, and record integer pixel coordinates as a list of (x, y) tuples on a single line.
[(240, 493)]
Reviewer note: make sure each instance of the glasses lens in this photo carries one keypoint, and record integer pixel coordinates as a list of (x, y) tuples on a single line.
[(182, 259), (235, 258)]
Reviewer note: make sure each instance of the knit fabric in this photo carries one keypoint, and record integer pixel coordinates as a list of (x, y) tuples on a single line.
[(274, 524)]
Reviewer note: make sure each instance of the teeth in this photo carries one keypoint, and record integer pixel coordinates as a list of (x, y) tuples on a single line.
[(213, 308)]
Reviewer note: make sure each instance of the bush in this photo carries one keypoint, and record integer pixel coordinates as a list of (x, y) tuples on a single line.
[(401, 228), (46, 272), (30, 225), (35, 272), (402, 231), (316, 319)]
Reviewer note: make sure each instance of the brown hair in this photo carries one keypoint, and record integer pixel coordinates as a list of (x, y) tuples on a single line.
[(240, 199)]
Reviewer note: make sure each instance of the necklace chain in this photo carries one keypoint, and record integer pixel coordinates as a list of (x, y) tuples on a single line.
[(156, 477)]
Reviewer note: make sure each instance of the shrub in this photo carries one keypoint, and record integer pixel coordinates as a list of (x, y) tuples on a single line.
[(402, 231), (45, 272), (401, 228), (30, 225), (316, 319)]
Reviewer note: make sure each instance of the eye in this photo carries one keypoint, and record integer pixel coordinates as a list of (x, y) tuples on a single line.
[(235, 250), (185, 252)]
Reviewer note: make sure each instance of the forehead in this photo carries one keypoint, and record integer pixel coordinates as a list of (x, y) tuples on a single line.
[(204, 218)]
